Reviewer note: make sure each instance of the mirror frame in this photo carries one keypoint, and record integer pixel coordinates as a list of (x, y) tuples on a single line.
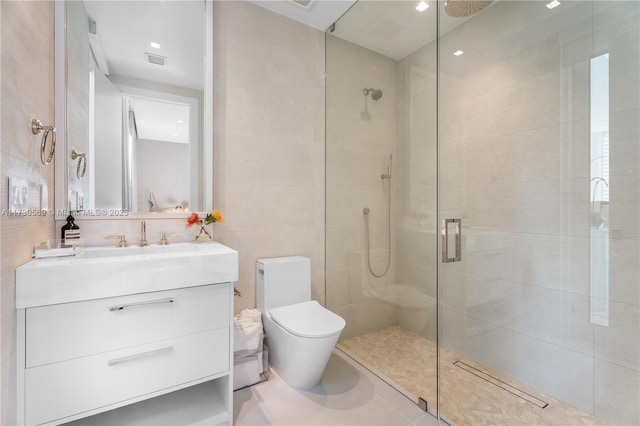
[(62, 154)]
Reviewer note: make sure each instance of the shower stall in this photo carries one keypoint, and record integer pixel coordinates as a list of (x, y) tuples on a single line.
[(482, 205)]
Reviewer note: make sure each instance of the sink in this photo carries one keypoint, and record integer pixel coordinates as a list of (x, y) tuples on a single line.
[(99, 272), (167, 250)]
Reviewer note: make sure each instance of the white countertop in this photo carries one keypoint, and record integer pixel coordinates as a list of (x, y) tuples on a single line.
[(100, 272)]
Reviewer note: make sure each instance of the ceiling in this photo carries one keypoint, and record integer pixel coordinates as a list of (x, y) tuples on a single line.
[(319, 14), (124, 33), (125, 30), (161, 120), (393, 28)]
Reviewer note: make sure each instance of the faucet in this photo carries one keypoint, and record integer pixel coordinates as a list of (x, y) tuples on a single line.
[(143, 234), (121, 243), (597, 180)]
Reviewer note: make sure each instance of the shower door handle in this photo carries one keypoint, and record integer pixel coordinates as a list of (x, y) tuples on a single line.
[(445, 240)]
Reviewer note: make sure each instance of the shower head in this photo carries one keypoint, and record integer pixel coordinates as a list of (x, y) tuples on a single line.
[(461, 8), (375, 93)]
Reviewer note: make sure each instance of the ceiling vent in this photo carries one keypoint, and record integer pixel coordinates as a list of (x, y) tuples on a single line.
[(155, 59), (303, 3)]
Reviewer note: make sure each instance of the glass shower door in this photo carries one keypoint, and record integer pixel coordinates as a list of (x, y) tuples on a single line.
[(539, 149), (381, 212)]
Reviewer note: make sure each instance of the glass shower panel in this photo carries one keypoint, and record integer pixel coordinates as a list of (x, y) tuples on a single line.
[(539, 149), (381, 213), (615, 158)]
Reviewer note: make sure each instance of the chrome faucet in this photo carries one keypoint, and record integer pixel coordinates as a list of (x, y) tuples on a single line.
[(143, 235)]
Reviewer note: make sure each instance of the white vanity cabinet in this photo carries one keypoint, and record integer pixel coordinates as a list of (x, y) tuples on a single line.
[(89, 356)]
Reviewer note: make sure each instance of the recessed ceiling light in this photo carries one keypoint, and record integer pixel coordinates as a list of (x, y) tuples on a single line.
[(180, 121), (422, 6), (554, 3), (458, 52), (175, 135), (155, 45)]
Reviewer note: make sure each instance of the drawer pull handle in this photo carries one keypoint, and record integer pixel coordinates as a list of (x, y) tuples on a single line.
[(140, 304), (149, 354)]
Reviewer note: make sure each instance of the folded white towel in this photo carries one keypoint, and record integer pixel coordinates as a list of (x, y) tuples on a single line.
[(247, 332), (247, 372), (253, 315)]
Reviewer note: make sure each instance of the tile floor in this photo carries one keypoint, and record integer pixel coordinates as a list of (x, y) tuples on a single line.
[(465, 398), (348, 395)]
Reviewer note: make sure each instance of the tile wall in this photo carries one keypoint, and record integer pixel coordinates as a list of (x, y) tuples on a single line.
[(514, 163), (515, 166), (417, 194), (269, 139), (361, 133), (26, 82)]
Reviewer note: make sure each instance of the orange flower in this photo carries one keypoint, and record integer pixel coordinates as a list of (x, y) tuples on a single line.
[(215, 215)]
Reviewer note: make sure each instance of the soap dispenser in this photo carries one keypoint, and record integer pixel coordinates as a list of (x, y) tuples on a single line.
[(70, 231)]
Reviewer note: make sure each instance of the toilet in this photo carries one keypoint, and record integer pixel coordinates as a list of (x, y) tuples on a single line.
[(299, 332)]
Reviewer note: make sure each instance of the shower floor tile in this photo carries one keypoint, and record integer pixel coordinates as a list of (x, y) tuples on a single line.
[(410, 362)]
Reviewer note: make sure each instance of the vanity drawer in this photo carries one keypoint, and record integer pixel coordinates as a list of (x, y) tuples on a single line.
[(59, 390), (61, 332)]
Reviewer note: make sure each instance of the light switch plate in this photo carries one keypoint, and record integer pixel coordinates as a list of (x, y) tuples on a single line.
[(18, 194), (26, 197), (44, 197)]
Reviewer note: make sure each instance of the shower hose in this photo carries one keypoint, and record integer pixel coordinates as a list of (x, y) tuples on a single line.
[(366, 218)]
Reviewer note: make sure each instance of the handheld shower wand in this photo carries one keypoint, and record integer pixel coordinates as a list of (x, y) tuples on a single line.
[(366, 211)]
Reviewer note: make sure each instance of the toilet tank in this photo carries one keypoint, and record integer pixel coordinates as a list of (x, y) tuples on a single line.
[(282, 281)]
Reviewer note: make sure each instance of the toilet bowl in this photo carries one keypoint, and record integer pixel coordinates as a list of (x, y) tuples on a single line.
[(299, 332)]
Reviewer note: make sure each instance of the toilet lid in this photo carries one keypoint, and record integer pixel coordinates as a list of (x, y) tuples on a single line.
[(308, 319)]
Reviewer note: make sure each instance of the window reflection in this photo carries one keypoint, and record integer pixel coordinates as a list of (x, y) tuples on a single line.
[(599, 199)]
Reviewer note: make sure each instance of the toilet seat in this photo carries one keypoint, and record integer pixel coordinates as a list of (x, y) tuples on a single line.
[(308, 319)]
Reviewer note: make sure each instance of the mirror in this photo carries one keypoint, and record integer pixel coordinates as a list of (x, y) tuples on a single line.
[(137, 88)]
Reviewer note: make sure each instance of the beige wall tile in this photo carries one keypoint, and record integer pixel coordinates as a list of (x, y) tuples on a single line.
[(270, 139), (616, 393), (360, 135), (27, 92)]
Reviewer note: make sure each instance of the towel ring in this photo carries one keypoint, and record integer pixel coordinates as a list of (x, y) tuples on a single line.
[(81, 169), (37, 128)]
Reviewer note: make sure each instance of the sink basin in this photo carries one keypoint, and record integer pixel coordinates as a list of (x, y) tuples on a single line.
[(168, 250), (99, 272)]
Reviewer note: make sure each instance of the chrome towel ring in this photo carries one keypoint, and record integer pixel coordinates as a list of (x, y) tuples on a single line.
[(81, 169), (37, 128)]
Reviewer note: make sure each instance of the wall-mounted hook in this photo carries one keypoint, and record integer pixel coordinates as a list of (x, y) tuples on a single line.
[(38, 128)]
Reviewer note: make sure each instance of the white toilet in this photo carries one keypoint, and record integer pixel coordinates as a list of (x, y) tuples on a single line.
[(299, 332)]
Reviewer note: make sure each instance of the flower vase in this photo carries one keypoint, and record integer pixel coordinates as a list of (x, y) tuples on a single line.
[(204, 235)]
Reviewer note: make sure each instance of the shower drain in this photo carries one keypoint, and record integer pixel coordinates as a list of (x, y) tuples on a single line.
[(502, 385)]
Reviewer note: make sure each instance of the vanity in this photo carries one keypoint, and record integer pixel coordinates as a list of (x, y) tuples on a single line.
[(110, 327)]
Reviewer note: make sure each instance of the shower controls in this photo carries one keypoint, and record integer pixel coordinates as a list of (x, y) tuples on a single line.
[(388, 174)]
